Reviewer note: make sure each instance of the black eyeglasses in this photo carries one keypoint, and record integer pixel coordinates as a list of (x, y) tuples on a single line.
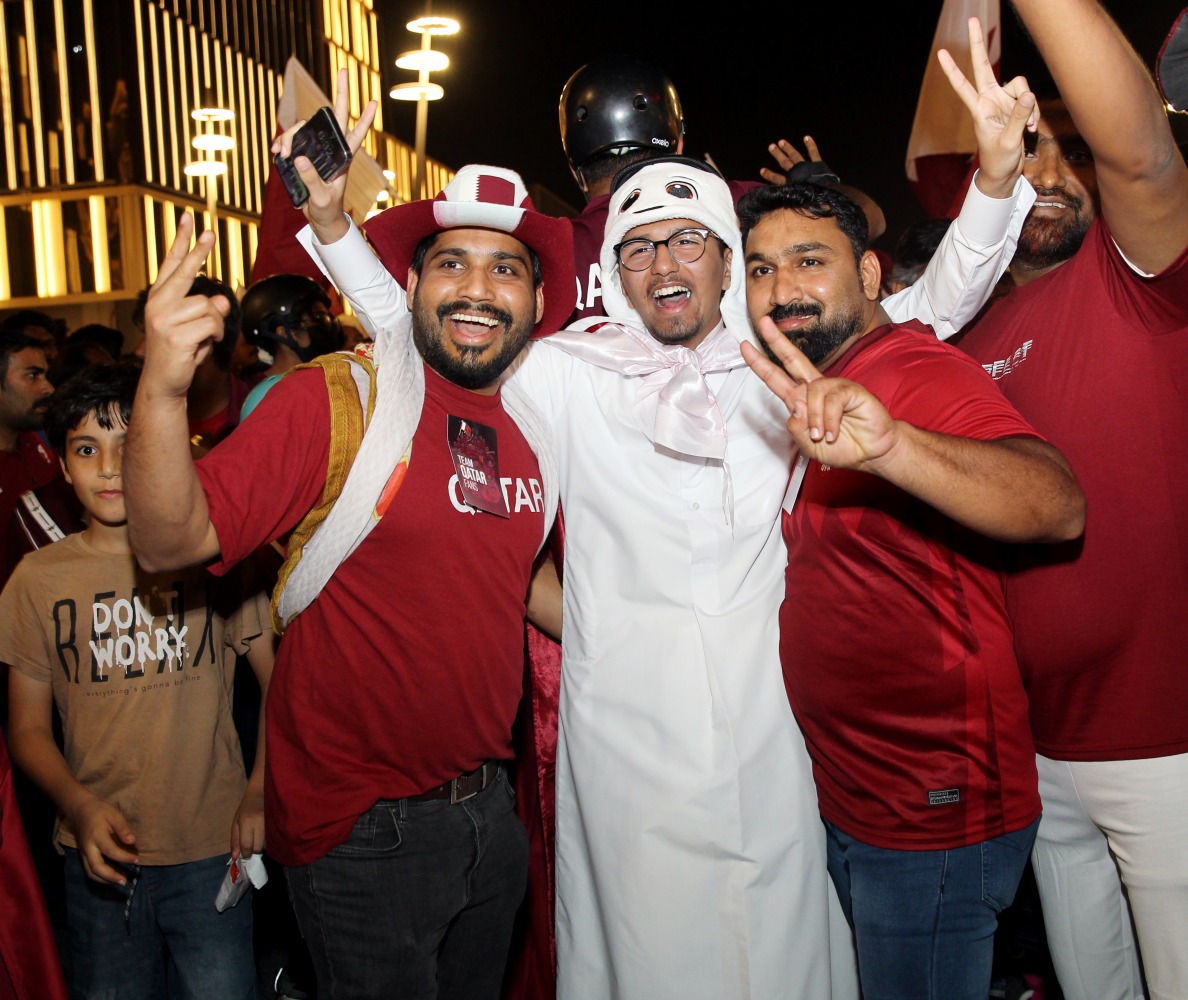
[(685, 246)]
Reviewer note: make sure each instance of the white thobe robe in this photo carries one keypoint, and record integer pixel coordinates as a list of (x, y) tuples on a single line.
[(690, 856)]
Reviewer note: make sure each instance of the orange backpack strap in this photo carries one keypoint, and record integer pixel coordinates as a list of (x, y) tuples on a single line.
[(350, 385)]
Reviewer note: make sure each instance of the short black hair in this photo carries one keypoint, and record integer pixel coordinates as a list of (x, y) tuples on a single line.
[(916, 248), (30, 317), (811, 201), (418, 257), (106, 391), (12, 342), (107, 337)]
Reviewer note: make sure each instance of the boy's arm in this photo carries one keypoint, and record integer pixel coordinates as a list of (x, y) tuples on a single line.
[(979, 245), (100, 829), (247, 829)]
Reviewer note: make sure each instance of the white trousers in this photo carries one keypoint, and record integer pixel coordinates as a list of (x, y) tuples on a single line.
[(1111, 861)]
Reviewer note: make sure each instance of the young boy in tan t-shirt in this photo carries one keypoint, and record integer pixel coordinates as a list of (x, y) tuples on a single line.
[(150, 785)]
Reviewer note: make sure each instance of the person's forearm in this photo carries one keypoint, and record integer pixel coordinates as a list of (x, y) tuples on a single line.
[(37, 755), (1011, 490), (1101, 78), (545, 599), (261, 657), (168, 521)]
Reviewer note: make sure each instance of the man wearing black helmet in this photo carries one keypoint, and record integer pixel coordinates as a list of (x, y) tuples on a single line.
[(287, 318)]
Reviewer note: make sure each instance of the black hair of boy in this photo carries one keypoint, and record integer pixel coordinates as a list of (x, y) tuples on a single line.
[(106, 391)]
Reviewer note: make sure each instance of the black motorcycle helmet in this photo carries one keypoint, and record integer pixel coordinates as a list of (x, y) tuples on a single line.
[(281, 301), (617, 104)]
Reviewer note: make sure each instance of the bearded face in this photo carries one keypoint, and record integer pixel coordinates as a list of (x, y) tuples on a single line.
[(468, 365), (815, 340), (1054, 229), (1059, 165)]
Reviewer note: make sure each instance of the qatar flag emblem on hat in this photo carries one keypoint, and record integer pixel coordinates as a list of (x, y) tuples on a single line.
[(482, 197)]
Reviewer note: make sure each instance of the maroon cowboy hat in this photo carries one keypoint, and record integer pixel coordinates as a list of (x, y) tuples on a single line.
[(484, 198)]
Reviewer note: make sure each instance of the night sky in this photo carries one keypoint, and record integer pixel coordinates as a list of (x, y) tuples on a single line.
[(847, 73)]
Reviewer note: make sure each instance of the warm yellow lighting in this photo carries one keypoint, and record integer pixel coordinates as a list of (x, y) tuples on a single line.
[(49, 249), (212, 142), (429, 60), (150, 238), (382, 195), (434, 25), (212, 114), (5, 285), (391, 175), (96, 204), (205, 168), (416, 92)]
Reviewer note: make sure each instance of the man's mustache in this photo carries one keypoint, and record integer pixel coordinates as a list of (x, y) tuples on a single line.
[(1064, 195), (480, 310), (793, 309)]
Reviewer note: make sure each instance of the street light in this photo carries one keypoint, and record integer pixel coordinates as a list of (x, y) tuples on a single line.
[(209, 142), (424, 61)]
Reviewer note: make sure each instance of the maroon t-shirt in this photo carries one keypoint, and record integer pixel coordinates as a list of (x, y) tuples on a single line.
[(1096, 357), (407, 670), (894, 636)]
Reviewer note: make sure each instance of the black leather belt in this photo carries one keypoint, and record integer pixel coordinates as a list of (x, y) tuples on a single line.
[(463, 787)]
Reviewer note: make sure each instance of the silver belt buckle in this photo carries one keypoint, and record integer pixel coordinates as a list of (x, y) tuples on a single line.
[(478, 778)]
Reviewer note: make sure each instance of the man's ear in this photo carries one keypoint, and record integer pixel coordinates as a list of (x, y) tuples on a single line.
[(539, 303), (411, 284), (727, 259), (871, 274)]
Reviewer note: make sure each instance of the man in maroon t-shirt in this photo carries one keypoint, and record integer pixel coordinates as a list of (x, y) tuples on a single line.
[(36, 505), (396, 685), (897, 652), (1092, 347)]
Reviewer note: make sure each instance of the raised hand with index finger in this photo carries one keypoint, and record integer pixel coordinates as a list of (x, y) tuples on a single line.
[(180, 328)]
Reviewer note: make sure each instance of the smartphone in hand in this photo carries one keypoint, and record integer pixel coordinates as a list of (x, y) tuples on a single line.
[(322, 141)]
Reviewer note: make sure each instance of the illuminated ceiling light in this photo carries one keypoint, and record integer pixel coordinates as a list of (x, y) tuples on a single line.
[(429, 60), (213, 142), (208, 109), (212, 114), (382, 195), (416, 92), (434, 25), (205, 168), (390, 174)]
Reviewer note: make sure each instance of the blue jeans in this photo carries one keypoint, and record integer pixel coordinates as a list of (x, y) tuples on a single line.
[(924, 921), (418, 902), (171, 934)]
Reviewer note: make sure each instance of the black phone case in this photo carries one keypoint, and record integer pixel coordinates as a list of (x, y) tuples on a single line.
[(322, 141)]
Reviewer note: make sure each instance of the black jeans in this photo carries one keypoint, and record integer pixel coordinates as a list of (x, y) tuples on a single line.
[(418, 902)]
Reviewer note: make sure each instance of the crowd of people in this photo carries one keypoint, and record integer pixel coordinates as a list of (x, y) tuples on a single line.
[(850, 595)]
